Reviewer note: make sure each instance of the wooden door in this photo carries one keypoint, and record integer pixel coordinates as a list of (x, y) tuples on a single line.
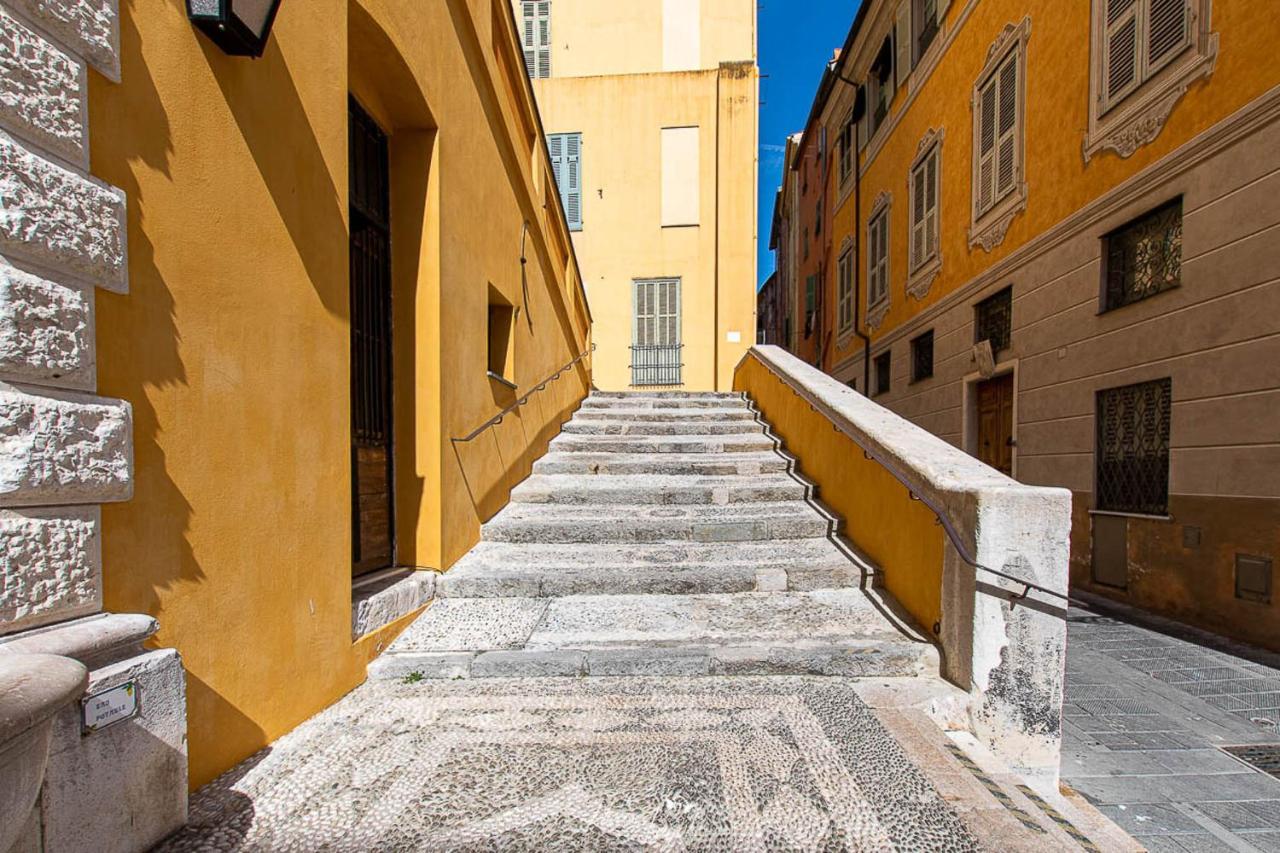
[(995, 423), (373, 501)]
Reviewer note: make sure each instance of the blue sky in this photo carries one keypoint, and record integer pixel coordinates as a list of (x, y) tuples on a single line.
[(796, 40)]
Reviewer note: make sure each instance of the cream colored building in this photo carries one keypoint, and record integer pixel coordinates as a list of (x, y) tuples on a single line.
[(650, 110)]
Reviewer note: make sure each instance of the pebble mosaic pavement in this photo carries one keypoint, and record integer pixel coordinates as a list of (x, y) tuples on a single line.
[(611, 764)]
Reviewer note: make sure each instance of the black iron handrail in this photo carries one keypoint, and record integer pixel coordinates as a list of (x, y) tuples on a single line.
[(498, 418), (952, 534)]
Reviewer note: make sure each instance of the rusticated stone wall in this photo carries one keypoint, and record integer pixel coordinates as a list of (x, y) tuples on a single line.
[(63, 450)]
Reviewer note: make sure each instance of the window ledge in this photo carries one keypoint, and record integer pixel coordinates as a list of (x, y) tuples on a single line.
[(502, 380), (1142, 515), (379, 599), (876, 314), (990, 229)]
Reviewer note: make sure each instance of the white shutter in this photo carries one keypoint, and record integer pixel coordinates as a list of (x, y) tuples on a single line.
[(528, 36), (918, 209), (544, 38), (931, 205), (943, 6), (903, 41), (986, 145), (1167, 32), (1008, 152), (1120, 49)]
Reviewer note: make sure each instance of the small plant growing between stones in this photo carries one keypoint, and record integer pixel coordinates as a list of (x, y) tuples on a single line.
[(412, 678)]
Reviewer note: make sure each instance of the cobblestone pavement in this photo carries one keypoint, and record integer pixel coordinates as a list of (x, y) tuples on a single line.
[(1146, 721), (611, 764)]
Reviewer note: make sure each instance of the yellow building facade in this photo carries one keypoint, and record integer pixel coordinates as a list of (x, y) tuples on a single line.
[(1047, 246), (651, 114), (246, 182)]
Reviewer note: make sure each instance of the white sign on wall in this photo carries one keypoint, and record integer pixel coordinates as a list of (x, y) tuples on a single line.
[(110, 706)]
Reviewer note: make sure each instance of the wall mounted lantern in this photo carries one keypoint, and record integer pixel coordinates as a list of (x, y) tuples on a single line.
[(239, 27)]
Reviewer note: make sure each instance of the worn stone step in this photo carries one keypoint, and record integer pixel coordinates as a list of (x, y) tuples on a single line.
[(658, 489), (578, 426), (614, 415), (578, 443), (826, 632), (504, 570), (676, 464), (521, 522), (645, 396), (734, 403)]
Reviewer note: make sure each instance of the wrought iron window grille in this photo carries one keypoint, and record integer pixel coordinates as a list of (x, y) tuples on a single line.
[(1132, 456), (1143, 257), (883, 364), (656, 365), (993, 320), (922, 357)]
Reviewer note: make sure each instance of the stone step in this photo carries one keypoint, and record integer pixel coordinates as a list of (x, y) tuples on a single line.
[(727, 404), (827, 632), (647, 396), (658, 489), (625, 523), (579, 426), (613, 415), (504, 570), (689, 464), (746, 443)]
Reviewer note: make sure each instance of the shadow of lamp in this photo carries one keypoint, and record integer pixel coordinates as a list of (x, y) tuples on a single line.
[(238, 27)]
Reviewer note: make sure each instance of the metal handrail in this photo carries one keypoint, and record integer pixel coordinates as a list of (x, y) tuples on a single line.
[(498, 418), (938, 512)]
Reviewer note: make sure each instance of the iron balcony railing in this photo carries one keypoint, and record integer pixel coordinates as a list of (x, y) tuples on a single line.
[(656, 365)]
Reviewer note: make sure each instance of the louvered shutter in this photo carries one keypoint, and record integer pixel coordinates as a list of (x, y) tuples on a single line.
[(903, 41), (573, 180), (642, 330), (544, 38), (555, 150), (884, 254), (1007, 150), (918, 249), (669, 314), (943, 6), (528, 36), (987, 144), (1166, 31), (1120, 49), (931, 205)]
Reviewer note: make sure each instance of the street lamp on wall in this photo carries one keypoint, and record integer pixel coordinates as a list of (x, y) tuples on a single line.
[(239, 27)]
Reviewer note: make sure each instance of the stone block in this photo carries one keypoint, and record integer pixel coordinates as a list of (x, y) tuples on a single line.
[(386, 598), (771, 580), (648, 662), (122, 788), (42, 91), (60, 219), (90, 28), (50, 566), (529, 664), (46, 331), (63, 448), (428, 665)]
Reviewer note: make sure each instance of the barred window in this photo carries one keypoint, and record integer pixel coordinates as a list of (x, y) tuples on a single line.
[(922, 357), (882, 365), (1133, 447), (993, 320), (1144, 257)]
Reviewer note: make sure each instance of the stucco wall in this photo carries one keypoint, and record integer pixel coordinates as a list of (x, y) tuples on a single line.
[(234, 346)]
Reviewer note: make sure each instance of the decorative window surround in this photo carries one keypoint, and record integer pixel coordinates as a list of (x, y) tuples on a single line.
[(990, 226), (920, 280), (1138, 117), (877, 311)]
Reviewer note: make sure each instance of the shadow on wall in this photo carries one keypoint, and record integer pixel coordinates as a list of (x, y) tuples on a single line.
[(141, 354)]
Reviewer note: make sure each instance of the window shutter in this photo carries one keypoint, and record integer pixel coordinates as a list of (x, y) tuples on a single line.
[(931, 205), (528, 36), (1120, 49), (918, 249), (943, 6), (1166, 31), (1007, 163), (573, 180), (987, 145), (902, 41), (862, 126), (555, 150), (544, 38)]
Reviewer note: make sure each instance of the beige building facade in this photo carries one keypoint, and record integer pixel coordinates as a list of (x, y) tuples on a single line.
[(650, 110)]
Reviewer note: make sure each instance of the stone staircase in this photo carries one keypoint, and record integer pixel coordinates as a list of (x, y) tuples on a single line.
[(662, 534)]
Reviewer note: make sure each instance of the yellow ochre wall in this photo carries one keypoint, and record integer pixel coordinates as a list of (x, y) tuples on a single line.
[(899, 535), (608, 84), (233, 342), (1059, 182)]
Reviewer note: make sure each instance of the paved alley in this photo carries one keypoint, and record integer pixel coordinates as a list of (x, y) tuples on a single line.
[(1148, 720)]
